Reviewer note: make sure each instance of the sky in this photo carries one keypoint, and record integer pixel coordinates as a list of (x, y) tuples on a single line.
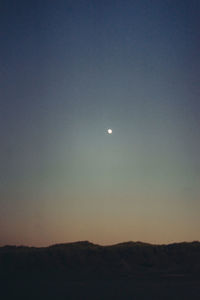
[(69, 71)]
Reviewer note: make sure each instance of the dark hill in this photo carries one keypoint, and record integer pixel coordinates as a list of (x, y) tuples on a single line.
[(85, 271), (82, 260)]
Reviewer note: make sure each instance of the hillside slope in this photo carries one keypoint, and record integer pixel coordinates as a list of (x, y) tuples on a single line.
[(82, 260)]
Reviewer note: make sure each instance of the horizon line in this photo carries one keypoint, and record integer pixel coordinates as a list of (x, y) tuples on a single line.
[(95, 244)]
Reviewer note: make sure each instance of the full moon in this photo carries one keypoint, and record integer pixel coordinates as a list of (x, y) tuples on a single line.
[(109, 131)]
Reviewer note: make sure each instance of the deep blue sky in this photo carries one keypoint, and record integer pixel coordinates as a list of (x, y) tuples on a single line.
[(72, 69)]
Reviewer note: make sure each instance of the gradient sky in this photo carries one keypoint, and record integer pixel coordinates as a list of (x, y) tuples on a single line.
[(72, 69)]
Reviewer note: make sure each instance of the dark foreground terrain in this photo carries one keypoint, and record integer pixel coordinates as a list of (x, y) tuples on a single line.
[(86, 271)]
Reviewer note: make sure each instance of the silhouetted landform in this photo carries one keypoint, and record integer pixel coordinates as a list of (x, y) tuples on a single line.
[(84, 271), (86, 260)]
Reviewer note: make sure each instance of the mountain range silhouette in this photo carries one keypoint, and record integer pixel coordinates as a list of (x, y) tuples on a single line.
[(75, 267)]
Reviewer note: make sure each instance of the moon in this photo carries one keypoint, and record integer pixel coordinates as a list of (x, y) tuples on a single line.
[(109, 131)]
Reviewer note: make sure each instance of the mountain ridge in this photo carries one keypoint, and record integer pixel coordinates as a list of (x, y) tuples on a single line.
[(86, 242), (84, 259)]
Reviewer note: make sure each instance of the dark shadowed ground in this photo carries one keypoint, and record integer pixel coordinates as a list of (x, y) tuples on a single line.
[(86, 271), (102, 289)]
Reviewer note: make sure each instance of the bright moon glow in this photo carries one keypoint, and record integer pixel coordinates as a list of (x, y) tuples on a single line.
[(109, 131)]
